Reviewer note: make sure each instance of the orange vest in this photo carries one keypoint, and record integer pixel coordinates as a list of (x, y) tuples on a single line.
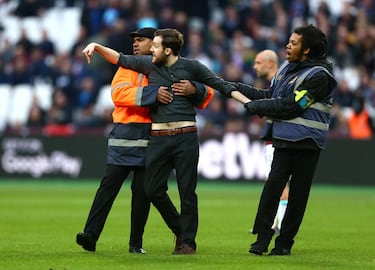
[(127, 87), (208, 98), (359, 127)]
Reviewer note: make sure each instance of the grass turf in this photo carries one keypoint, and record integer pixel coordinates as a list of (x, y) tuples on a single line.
[(39, 221)]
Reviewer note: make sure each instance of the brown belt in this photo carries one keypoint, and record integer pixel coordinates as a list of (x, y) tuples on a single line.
[(172, 132)]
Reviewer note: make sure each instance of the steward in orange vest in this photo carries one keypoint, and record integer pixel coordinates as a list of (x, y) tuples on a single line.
[(360, 124)]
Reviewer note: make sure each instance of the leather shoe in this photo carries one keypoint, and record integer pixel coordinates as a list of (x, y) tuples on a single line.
[(137, 250), (259, 247), (184, 249), (280, 252), (86, 241)]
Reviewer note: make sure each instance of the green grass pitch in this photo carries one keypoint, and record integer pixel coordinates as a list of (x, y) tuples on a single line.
[(39, 221)]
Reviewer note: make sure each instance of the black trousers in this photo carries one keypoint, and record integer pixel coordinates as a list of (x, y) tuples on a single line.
[(298, 165), (110, 186), (179, 152)]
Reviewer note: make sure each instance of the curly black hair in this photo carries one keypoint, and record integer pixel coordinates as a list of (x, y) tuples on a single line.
[(313, 38)]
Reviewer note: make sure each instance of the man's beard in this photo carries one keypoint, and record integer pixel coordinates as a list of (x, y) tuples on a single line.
[(161, 60)]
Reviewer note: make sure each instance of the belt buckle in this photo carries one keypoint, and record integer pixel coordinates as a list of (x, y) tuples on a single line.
[(171, 132)]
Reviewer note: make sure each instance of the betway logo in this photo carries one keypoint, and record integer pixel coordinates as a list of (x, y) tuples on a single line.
[(234, 158)]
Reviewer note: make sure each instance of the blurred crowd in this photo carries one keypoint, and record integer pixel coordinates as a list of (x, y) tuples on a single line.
[(225, 35)]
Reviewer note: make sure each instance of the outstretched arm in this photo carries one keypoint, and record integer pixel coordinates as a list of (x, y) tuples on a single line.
[(208, 77), (237, 95), (108, 54)]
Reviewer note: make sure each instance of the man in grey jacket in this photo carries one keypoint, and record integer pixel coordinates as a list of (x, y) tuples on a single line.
[(174, 141)]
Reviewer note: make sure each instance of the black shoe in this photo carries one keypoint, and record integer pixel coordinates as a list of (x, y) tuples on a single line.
[(137, 250), (86, 241), (259, 247), (280, 252)]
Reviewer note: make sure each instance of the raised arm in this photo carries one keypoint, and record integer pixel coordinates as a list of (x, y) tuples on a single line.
[(108, 54)]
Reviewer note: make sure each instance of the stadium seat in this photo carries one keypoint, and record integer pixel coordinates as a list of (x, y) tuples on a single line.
[(12, 26), (104, 100), (4, 104), (32, 25), (51, 22), (20, 102), (43, 92)]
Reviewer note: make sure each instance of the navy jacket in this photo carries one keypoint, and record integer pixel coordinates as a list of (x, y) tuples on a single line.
[(298, 111)]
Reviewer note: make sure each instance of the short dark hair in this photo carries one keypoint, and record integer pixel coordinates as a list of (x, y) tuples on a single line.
[(313, 38), (171, 38)]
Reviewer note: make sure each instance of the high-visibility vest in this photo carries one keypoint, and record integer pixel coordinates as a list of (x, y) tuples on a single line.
[(313, 123), (359, 127), (127, 92)]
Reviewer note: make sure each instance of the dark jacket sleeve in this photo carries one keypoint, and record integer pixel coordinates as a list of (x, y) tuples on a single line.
[(317, 86), (139, 63), (208, 77), (286, 107), (200, 94), (254, 93), (149, 95)]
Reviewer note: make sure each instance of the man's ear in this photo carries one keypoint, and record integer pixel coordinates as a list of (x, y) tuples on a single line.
[(306, 51), (167, 51)]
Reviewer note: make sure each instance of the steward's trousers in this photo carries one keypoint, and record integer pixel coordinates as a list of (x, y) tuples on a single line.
[(110, 186), (298, 165)]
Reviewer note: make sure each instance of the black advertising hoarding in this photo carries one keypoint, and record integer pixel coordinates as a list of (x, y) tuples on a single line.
[(231, 157), (56, 157), (347, 161)]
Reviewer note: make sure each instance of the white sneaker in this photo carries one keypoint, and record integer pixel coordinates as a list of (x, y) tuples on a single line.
[(276, 229)]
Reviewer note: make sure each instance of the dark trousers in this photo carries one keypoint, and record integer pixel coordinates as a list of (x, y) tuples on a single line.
[(179, 152), (109, 187), (298, 165)]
